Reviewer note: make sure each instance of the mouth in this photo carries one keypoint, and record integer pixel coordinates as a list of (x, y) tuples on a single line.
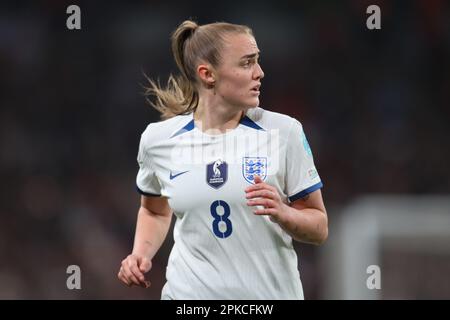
[(256, 88)]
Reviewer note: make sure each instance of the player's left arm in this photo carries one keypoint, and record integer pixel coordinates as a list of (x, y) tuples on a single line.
[(304, 220)]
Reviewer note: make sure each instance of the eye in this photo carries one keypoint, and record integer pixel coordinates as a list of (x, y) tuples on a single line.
[(249, 62)]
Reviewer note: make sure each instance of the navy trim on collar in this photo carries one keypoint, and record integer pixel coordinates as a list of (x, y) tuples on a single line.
[(190, 126), (246, 121)]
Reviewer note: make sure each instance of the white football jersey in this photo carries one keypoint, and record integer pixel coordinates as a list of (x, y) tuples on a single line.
[(222, 250)]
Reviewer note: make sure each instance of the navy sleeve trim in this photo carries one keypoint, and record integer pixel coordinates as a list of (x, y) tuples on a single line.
[(303, 193), (147, 193)]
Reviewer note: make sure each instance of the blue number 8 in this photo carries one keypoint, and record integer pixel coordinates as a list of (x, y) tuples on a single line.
[(218, 218)]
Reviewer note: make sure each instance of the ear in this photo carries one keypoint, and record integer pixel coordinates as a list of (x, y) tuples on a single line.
[(206, 74)]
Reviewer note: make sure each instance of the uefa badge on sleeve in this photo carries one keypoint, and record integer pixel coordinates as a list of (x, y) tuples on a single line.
[(254, 166)]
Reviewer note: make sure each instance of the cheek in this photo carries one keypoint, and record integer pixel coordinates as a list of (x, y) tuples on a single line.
[(237, 84)]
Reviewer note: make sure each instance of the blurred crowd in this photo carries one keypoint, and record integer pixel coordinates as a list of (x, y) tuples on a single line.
[(375, 105)]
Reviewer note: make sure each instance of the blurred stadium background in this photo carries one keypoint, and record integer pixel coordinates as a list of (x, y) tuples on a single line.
[(375, 106)]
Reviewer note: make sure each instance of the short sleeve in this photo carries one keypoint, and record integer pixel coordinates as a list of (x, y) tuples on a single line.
[(147, 182), (302, 177)]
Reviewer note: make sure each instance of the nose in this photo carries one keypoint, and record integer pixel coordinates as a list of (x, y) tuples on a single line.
[(258, 73)]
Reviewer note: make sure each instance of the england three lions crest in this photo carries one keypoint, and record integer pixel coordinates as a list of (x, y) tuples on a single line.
[(254, 166), (216, 173)]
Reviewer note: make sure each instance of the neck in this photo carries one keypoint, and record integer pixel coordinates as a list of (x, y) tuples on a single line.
[(216, 118)]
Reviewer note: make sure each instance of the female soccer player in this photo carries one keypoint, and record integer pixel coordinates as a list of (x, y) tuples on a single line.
[(240, 180)]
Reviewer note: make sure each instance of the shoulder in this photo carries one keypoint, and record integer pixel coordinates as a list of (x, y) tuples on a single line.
[(269, 120), (159, 131)]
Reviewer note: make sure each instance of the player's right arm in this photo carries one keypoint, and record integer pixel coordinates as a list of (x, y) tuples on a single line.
[(152, 225)]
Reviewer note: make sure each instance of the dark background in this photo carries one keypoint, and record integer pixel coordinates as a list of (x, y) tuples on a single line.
[(374, 105)]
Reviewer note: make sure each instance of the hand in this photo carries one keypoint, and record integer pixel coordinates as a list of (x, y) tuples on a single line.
[(263, 194), (132, 271)]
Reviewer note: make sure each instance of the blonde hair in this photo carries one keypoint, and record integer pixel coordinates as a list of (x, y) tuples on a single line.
[(191, 44)]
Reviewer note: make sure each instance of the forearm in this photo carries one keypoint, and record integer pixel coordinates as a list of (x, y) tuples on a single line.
[(306, 225), (151, 230)]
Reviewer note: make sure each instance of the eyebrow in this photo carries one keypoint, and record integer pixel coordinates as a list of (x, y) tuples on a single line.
[(252, 55)]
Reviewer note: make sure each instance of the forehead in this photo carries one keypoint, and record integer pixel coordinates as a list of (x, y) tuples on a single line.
[(239, 45)]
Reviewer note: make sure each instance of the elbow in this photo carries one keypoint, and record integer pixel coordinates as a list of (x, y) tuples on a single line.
[(316, 239), (323, 234), (316, 233), (323, 237)]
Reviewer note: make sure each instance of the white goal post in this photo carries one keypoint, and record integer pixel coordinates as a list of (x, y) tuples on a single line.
[(359, 232)]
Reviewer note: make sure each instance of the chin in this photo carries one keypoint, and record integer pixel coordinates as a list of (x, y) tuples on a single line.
[(253, 103)]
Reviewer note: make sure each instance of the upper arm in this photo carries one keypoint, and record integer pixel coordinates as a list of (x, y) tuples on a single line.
[(301, 176), (312, 200), (146, 180), (156, 205)]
